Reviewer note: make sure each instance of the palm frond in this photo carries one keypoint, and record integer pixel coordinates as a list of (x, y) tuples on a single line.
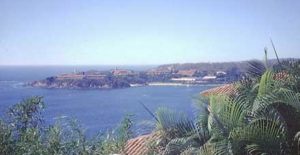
[(222, 147), (262, 136), (207, 149), (175, 124), (264, 101), (201, 122), (297, 140), (288, 97), (274, 98), (255, 69), (191, 151), (266, 83), (255, 149), (228, 113), (179, 145)]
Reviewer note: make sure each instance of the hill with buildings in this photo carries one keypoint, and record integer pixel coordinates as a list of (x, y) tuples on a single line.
[(188, 73)]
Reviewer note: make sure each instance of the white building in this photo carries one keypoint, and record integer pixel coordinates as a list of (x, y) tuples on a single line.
[(185, 79), (209, 78)]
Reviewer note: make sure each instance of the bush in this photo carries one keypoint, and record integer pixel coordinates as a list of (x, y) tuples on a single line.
[(23, 132)]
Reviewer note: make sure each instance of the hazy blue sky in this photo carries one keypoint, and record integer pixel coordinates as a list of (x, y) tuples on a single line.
[(55, 32)]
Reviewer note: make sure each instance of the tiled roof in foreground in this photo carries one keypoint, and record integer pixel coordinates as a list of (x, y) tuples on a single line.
[(139, 145), (226, 89)]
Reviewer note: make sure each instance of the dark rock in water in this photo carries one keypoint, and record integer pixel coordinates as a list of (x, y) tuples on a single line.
[(83, 82)]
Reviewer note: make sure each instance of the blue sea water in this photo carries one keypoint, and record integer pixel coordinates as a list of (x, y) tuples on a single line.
[(96, 110)]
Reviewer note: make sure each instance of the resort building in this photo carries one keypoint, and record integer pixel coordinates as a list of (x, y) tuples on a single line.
[(185, 79), (122, 72), (187, 73)]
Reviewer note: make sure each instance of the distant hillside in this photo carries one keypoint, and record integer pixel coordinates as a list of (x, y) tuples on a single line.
[(210, 67)]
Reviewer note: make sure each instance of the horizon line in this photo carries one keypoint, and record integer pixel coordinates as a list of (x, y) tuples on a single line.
[(33, 65)]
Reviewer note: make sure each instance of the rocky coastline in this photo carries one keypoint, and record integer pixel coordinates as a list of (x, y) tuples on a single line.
[(80, 83), (170, 75)]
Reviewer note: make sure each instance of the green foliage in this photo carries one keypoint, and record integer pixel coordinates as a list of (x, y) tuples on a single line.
[(261, 118), (6, 141), (177, 133), (23, 132), (175, 124), (115, 141), (26, 114)]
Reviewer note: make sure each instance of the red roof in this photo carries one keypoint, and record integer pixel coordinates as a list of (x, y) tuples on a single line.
[(121, 72), (139, 145), (226, 89), (189, 72)]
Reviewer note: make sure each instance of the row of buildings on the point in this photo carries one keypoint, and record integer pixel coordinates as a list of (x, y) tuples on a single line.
[(182, 76), (218, 77), (196, 76)]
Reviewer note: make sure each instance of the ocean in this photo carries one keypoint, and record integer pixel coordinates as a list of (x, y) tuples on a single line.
[(96, 110)]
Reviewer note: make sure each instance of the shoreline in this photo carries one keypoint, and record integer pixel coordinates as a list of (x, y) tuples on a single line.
[(166, 84), (154, 84), (181, 84)]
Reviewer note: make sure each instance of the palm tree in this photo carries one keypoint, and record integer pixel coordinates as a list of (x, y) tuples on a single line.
[(272, 105), (261, 118)]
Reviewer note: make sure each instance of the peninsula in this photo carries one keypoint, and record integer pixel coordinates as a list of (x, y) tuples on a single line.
[(172, 74)]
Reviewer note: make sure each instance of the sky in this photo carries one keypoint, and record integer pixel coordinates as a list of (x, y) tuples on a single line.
[(145, 32)]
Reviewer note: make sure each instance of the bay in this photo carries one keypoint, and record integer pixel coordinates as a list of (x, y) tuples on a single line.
[(96, 110)]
